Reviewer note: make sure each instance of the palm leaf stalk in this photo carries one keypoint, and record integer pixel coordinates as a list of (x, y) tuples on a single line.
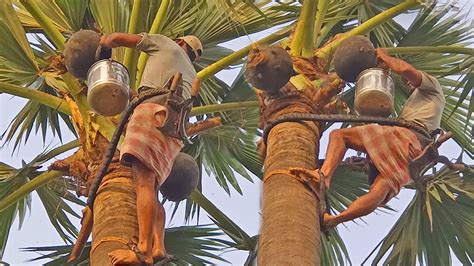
[(156, 27), (301, 42), (38, 96), (368, 25), (130, 53), (51, 31), (236, 56), (442, 49), (40, 178), (320, 16)]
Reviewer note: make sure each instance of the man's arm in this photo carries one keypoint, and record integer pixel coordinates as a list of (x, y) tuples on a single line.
[(119, 39), (407, 71), (415, 77)]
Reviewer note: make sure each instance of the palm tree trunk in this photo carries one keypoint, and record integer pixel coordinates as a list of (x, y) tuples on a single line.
[(290, 220), (115, 215)]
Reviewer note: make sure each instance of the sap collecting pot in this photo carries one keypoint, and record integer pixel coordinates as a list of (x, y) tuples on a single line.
[(108, 92)]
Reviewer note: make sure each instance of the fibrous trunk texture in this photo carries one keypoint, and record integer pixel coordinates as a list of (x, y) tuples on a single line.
[(290, 211), (115, 214)]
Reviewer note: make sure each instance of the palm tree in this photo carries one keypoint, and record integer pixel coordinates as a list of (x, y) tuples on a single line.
[(438, 221)]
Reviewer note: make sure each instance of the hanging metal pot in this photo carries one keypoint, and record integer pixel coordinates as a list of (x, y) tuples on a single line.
[(375, 92), (108, 92)]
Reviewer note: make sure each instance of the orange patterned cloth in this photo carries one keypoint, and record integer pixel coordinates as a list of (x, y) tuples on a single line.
[(390, 148), (144, 141)]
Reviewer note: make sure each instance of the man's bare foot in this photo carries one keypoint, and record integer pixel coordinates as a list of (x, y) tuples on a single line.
[(128, 257), (329, 220), (158, 254)]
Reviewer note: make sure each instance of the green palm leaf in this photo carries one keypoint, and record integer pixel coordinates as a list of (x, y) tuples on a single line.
[(440, 25), (55, 196), (65, 15), (17, 61), (435, 223), (386, 34), (36, 116), (15, 198), (11, 180)]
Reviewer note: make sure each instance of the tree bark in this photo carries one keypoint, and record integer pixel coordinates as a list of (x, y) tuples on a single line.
[(290, 233), (115, 215)]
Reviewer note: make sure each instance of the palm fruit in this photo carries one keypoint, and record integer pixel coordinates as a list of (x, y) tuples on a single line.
[(354, 55), (269, 68), (182, 180), (80, 52)]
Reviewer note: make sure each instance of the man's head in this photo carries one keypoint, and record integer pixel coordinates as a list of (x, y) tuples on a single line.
[(191, 45)]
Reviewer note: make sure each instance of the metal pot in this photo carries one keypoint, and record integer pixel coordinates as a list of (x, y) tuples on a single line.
[(375, 92), (108, 92)]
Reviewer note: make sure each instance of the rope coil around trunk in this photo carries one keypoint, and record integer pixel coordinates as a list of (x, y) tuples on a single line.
[(115, 139), (297, 117), (307, 177)]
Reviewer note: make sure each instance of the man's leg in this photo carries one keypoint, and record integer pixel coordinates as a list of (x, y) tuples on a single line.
[(362, 206), (158, 251), (147, 203), (339, 141), (144, 180)]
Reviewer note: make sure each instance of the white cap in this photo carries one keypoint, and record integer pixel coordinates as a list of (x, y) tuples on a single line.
[(194, 43)]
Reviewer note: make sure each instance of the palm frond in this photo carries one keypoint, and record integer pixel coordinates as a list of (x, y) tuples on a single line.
[(13, 181), (385, 35), (442, 25), (39, 117), (435, 223), (17, 61), (333, 249), (222, 148), (65, 15), (9, 182), (56, 197)]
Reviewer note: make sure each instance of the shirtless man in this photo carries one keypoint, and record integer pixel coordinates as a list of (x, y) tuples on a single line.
[(148, 151), (389, 147)]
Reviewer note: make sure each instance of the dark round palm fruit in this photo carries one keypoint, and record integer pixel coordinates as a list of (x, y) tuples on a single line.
[(354, 55), (269, 68), (79, 53), (183, 178)]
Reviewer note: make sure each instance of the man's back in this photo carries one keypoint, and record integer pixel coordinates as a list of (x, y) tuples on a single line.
[(425, 105), (165, 59)]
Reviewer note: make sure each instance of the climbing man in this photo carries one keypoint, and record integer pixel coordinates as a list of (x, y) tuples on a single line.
[(146, 149), (390, 148)]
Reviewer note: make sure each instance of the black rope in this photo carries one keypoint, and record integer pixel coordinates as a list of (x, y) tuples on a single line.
[(116, 137), (297, 117)]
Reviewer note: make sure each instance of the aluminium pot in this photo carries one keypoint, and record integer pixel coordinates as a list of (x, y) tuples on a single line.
[(375, 93), (108, 92)]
